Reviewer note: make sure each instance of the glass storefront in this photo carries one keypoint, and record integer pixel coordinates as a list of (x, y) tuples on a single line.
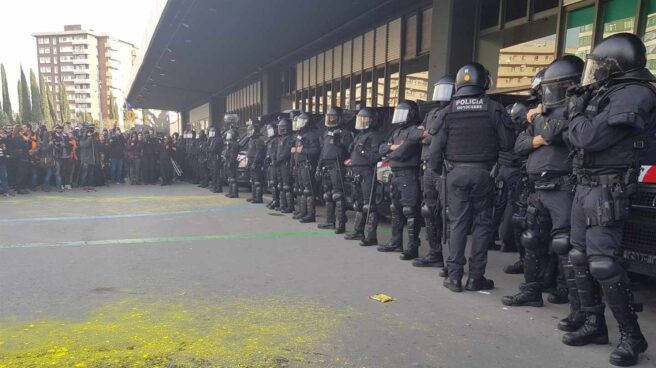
[(619, 16), (578, 35), (416, 86), (380, 87), (393, 96), (649, 37)]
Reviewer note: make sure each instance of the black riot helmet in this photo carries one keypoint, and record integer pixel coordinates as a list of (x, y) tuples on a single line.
[(272, 129), (561, 74), (284, 126), (212, 132), (621, 56), (444, 88), (301, 122), (472, 79), (333, 117), (365, 119), (517, 113), (536, 86), (405, 112)]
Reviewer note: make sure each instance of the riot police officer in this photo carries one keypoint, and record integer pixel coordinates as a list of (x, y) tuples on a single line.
[(230, 153), (431, 208), (203, 160), (549, 169), (306, 154), (269, 161), (612, 125), (256, 154), (334, 142), (214, 150), (403, 151), (467, 137), (364, 158), (283, 165)]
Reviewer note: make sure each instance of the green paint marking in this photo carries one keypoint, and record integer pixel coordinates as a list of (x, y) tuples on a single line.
[(269, 235)]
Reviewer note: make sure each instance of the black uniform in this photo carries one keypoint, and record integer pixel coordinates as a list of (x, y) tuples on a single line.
[(468, 136), (306, 164), (406, 191), (364, 158), (256, 155), (284, 171), (334, 150), (215, 148), (549, 205), (269, 161), (203, 161), (229, 158)]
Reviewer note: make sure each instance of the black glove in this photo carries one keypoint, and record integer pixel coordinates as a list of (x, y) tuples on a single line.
[(578, 104)]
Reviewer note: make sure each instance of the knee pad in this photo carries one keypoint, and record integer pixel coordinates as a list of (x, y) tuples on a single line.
[(560, 244), (257, 183), (327, 197), (530, 240), (279, 186), (578, 258), (286, 188), (337, 196), (307, 192), (606, 270), (392, 208), (408, 211), (427, 212), (357, 206), (365, 208)]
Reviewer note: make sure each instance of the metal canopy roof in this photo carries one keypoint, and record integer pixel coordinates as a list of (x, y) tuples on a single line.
[(202, 47)]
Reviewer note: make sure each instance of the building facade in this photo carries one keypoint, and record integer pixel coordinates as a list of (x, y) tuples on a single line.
[(380, 54), (93, 68)]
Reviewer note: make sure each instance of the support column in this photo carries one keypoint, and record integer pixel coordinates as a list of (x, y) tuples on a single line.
[(453, 37), (217, 110), (271, 92)]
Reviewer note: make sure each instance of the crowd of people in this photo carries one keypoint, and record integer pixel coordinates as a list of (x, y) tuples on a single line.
[(32, 157), (552, 177), (557, 171)]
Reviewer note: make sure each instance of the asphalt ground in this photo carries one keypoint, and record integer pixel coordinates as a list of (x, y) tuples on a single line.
[(149, 276)]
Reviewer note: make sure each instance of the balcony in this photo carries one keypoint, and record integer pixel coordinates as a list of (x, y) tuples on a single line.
[(81, 71), (83, 41), (85, 100), (80, 61), (80, 51)]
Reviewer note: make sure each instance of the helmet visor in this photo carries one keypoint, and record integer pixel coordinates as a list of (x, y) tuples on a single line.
[(299, 123), (270, 131), (212, 134), (228, 136), (554, 94), (231, 118), (331, 121), (363, 122), (250, 130), (400, 116), (535, 83), (442, 92), (595, 71)]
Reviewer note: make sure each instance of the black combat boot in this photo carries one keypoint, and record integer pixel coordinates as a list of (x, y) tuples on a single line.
[(302, 208), (434, 258), (234, 189), (371, 230), (593, 330), (257, 196), (530, 295), (632, 342), (330, 216), (576, 317), (477, 284), (515, 268), (358, 228), (250, 199), (453, 284), (412, 251), (289, 199), (310, 210), (558, 296)]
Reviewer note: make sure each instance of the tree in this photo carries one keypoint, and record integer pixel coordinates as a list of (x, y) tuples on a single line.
[(146, 116), (6, 103), (45, 103), (21, 118), (4, 118), (37, 109), (52, 105), (115, 111), (25, 104), (64, 106)]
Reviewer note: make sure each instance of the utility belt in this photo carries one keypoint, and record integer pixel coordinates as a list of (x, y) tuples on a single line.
[(404, 171), (554, 183), (450, 165), (623, 180)]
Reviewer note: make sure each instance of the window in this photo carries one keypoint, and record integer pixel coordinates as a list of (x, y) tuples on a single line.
[(45, 69), (513, 53), (649, 37), (380, 87), (44, 41), (44, 60), (64, 39), (619, 16), (515, 9), (393, 93), (44, 50), (490, 13), (578, 37)]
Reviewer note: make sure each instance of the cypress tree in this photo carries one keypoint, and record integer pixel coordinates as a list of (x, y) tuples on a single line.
[(45, 104), (21, 118), (25, 104), (64, 107), (6, 103), (37, 109)]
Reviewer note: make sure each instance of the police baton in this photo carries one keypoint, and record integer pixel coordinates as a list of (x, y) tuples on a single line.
[(445, 226), (374, 181)]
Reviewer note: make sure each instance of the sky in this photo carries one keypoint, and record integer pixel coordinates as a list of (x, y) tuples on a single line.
[(127, 20)]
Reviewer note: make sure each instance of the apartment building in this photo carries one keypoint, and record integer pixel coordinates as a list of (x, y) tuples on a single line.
[(93, 68)]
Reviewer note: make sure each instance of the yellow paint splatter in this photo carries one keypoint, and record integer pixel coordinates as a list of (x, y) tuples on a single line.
[(138, 333)]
